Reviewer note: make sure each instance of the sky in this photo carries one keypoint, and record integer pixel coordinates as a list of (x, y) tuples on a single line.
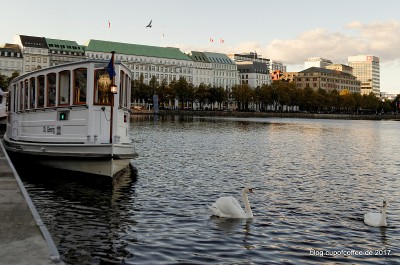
[(289, 31)]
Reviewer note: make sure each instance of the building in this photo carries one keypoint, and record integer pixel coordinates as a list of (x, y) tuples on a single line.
[(316, 62), (34, 51), (215, 69), (64, 51), (340, 67), (254, 74), (163, 63), (276, 65), (253, 69), (327, 79), (202, 69), (10, 59), (366, 69), (288, 76)]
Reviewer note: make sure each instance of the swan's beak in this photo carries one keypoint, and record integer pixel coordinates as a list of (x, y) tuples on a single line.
[(251, 190)]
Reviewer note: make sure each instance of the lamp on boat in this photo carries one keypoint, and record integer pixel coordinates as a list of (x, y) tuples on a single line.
[(113, 89)]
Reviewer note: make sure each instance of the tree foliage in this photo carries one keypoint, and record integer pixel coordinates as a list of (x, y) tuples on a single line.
[(279, 96)]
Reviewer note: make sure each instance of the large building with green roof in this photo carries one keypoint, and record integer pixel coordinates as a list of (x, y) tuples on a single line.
[(213, 68), (64, 51), (164, 63)]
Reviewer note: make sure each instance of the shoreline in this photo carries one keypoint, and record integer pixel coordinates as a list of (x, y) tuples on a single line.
[(395, 117)]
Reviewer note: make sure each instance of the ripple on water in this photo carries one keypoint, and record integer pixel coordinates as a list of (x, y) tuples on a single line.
[(313, 180)]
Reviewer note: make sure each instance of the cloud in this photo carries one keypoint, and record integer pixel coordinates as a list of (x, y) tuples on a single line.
[(381, 39)]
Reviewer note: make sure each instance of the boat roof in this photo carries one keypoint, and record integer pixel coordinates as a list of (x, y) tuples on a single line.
[(50, 68)]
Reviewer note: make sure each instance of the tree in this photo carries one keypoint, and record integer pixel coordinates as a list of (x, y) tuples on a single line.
[(264, 94), (6, 80), (243, 94), (162, 92), (182, 90), (201, 94)]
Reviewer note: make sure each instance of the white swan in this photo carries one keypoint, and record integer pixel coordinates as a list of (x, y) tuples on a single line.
[(376, 219), (229, 207)]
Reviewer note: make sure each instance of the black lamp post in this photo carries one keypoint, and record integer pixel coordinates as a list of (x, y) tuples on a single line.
[(113, 91)]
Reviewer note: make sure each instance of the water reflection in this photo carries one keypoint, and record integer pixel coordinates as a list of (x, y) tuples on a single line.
[(86, 217)]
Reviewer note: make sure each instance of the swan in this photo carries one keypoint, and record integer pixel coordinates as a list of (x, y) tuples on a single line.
[(376, 219), (229, 207)]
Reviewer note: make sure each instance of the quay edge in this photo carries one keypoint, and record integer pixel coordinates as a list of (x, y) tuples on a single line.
[(25, 238)]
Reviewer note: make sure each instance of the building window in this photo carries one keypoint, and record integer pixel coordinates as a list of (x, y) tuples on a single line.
[(33, 59), (27, 58)]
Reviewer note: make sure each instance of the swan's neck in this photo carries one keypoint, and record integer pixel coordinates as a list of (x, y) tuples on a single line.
[(383, 215), (247, 207)]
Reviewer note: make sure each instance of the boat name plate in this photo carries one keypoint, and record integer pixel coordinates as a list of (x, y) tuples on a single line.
[(49, 129)]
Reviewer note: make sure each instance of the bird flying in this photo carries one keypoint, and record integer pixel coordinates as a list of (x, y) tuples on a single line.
[(149, 26)]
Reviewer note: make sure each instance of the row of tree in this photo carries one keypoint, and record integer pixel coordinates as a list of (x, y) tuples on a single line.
[(279, 96)]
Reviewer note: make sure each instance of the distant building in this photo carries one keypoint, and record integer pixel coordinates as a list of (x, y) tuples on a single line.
[(202, 69), (317, 77), (366, 69), (277, 65), (255, 74), (10, 59), (276, 75), (223, 71), (251, 56), (289, 77), (253, 69), (64, 51), (316, 62), (164, 63), (340, 67), (34, 51)]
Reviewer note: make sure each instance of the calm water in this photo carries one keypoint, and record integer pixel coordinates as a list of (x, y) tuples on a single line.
[(313, 180)]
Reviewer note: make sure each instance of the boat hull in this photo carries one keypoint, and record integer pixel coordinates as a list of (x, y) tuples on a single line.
[(104, 160)]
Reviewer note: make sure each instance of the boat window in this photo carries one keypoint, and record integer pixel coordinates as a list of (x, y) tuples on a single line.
[(127, 92), (121, 88), (31, 92), (15, 94), (64, 85), (80, 85), (25, 89), (40, 91), (20, 96), (102, 87), (51, 89)]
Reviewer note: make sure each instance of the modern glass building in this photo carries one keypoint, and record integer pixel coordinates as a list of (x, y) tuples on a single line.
[(366, 69)]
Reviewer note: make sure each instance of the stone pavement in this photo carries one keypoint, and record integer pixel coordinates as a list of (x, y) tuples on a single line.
[(24, 239)]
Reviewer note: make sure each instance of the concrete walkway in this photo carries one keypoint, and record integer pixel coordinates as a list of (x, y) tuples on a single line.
[(24, 239)]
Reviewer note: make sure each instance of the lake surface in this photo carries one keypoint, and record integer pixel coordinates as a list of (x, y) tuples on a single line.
[(313, 181)]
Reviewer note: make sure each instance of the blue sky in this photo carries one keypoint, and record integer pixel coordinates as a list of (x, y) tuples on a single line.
[(290, 31)]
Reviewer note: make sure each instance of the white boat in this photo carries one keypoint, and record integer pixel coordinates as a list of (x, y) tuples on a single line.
[(73, 116)]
